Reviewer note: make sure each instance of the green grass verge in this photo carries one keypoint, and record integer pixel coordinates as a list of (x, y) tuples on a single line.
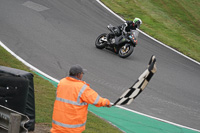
[(173, 22), (45, 96)]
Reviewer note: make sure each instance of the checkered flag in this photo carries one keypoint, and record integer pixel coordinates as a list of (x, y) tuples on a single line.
[(139, 85)]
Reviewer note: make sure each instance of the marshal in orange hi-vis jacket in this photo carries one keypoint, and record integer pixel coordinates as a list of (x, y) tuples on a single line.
[(71, 105)]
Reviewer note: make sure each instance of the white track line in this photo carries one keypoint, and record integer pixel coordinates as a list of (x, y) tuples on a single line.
[(157, 118), (165, 46), (46, 75)]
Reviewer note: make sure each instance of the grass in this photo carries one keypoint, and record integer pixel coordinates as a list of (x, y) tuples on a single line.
[(45, 96), (173, 22)]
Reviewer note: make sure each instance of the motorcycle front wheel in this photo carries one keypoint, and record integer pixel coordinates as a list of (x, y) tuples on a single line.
[(100, 42), (125, 51)]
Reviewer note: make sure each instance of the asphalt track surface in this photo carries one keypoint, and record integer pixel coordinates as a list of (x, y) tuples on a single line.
[(52, 35)]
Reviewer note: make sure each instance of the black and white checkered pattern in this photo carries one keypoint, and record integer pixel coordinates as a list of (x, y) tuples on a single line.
[(139, 85)]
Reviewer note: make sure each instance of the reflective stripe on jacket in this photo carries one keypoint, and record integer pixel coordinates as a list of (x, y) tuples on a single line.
[(71, 104)]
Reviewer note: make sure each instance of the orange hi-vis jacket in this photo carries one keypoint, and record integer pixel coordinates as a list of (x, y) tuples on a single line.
[(71, 104)]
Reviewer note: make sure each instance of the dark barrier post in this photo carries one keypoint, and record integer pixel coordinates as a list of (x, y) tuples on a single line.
[(17, 92)]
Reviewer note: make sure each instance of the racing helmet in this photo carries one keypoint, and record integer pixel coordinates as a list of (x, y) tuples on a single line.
[(137, 22)]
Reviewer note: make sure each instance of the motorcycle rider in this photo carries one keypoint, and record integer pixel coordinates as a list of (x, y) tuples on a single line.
[(125, 28)]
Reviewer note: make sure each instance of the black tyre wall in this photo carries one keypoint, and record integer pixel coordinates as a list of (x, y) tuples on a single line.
[(13, 92)]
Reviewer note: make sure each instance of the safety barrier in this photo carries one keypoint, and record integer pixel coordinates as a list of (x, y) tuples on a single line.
[(12, 121), (17, 93)]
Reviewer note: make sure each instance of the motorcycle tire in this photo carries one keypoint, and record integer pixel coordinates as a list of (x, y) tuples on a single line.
[(99, 43), (124, 53)]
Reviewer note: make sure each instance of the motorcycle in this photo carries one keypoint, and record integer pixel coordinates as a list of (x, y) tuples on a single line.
[(121, 44)]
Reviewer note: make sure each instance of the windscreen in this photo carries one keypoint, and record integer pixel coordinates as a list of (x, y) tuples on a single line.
[(135, 33)]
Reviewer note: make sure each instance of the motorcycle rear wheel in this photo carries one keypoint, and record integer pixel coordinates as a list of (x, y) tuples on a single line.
[(125, 51), (99, 43)]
